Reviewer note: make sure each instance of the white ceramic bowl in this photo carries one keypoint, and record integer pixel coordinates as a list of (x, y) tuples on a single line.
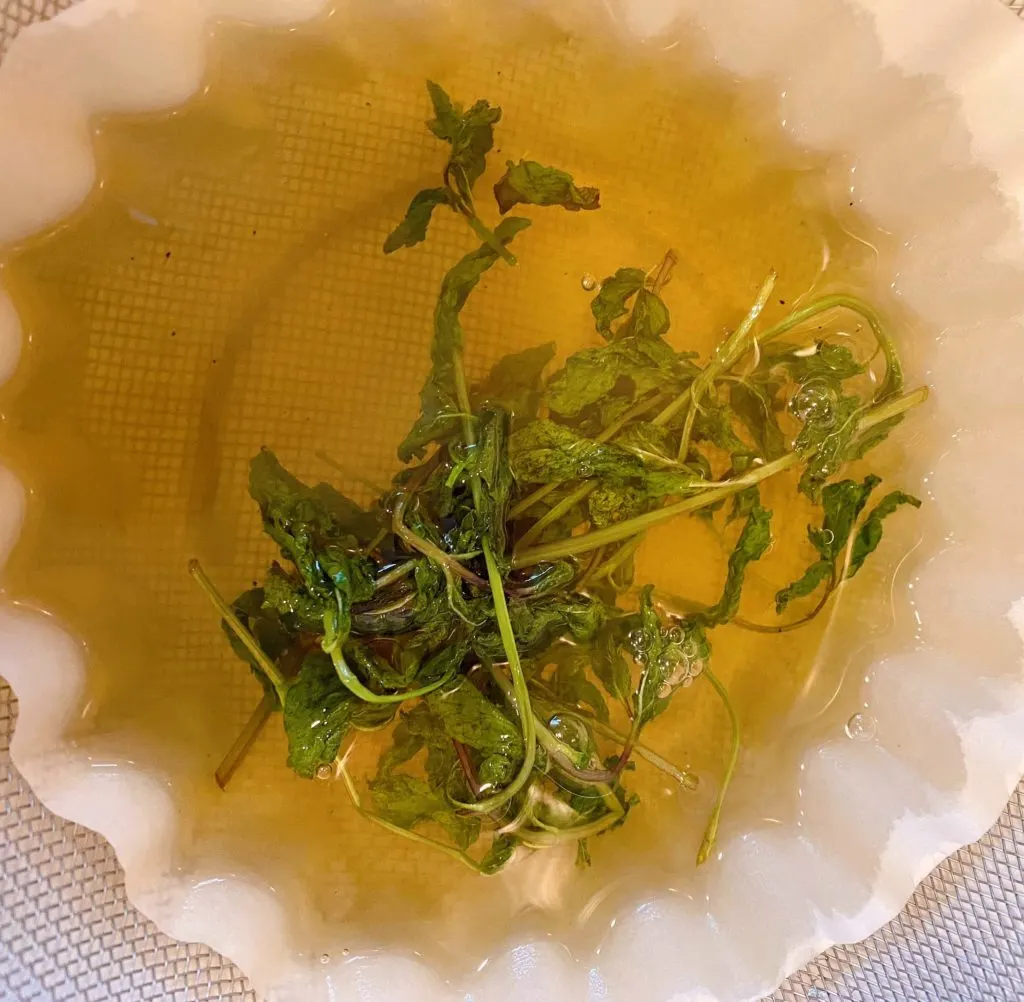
[(920, 107)]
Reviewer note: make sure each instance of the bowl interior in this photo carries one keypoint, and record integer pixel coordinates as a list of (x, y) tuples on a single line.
[(224, 289)]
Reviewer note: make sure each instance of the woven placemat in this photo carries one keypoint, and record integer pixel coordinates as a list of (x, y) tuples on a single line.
[(67, 931)]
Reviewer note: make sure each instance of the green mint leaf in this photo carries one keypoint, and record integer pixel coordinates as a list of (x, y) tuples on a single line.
[(516, 383), (495, 771), (531, 183), (549, 578), (583, 859), (468, 716), (418, 729), (611, 301), (317, 714), (413, 228), (608, 660), (613, 502), (753, 404), (490, 462), (543, 452), (570, 681), (753, 543), (830, 363), (372, 716), (670, 656), (407, 801), (290, 508), (292, 601), (714, 424), (648, 319), (374, 671), (538, 622), (444, 662), (610, 502), (830, 425), (870, 533), (447, 118), (470, 133), (842, 503), (819, 572), (500, 852), (643, 363), (439, 408)]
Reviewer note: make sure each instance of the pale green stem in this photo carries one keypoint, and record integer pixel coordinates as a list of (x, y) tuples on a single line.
[(725, 358), (393, 575), (522, 695), (547, 839), (711, 832), (508, 640), (616, 560), (558, 751), (892, 408), (332, 645), (573, 545), (229, 764), (893, 382), (685, 779), (428, 549), (563, 507), (276, 679), (351, 681)]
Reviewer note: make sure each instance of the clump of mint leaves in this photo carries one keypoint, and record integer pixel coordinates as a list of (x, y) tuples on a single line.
[(484, 607)]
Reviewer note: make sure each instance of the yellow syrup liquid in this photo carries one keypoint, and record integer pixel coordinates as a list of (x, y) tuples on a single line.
[(224, 289)]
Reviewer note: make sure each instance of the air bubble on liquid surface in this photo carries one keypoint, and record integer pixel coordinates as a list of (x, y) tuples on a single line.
[(860, 727)]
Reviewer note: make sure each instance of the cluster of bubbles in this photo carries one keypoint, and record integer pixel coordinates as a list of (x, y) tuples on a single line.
[(815, 401), (676, 657), (570, 731)]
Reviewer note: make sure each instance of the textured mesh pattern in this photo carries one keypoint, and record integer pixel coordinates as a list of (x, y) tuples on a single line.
[(15, 14), (67, 931)]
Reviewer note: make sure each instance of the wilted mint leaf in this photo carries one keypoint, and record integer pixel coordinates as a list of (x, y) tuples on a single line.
[(531, 183), (470, 133), (516, 383), (870, 533), (611, 301), (753, 543), (413, 228), (439, 406), (317, 714)]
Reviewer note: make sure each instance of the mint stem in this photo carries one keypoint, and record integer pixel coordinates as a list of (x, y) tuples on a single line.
[(254, 725), (711, 832), (573, 545), (508, 639), (893, 382), (725, 358), (276, 679)]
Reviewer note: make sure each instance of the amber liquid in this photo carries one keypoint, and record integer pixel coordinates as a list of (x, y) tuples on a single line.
[(224, 288)]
